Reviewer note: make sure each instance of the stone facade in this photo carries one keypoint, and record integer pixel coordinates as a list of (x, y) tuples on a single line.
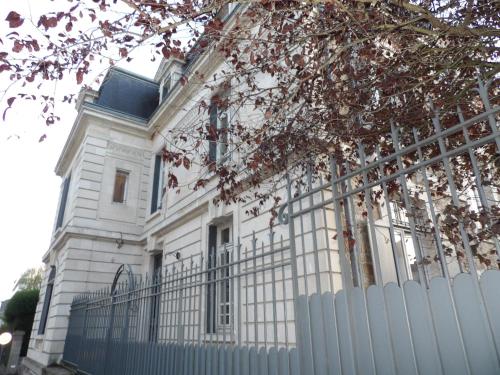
[(95, 235)]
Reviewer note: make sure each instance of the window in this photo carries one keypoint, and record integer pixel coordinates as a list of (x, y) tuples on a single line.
[(219, 279), (225, 10), (165, 87), (120, 190), (62, 205), (154, 315), (46, 302), (224, 313), (219, 126), (406, 248), (158, 184)]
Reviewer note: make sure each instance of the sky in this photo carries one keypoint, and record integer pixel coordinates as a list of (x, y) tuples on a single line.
[(29, 188)]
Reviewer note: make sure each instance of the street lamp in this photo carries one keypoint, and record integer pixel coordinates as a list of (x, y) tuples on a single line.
[(5, 338)]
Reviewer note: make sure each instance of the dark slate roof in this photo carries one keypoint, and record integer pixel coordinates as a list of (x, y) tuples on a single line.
[(129, 94)]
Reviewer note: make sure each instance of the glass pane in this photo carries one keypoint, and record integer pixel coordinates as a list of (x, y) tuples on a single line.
[(411, 256), (120, 185)]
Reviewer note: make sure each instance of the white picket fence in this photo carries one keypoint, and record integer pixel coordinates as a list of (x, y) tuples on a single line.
[(446, 329)]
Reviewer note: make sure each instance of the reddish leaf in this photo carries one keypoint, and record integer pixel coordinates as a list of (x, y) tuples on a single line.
[(35, 45), (47, 22), (123, 52), (172, 181), (17, 47), (166, 52), (79, 76), (186, 162), (51, 22), (14, 19)]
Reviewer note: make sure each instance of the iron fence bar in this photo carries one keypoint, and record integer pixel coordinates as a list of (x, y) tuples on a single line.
[(239, 291), (224, 297), (406, 197), (453, 191), (163, 308), (399, 274), (437, 235), (346, 273), (172, 304), (213, 307), (327, 240), (232, 297), (256, 328), (192, 268), (295, 285), (477, 177), (303, 243), (283, 279), (371, 234), (273, 285), (353, 227), (200, 300), (313, 233), (247, 324), (264, 299), (180, 321)]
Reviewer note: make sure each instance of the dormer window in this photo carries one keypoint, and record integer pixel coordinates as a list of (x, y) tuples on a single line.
[(165, 87)]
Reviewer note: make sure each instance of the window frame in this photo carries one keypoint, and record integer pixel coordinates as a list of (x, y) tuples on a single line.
[(158, 184), (165, 83), (214, 152), (63, 202), (49, 288), (219, 280), (125, 187)]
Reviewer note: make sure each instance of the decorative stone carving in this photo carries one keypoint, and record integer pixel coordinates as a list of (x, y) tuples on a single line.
[(127, 151)]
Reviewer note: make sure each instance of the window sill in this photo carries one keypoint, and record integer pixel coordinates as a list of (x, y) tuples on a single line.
[(154, 215)]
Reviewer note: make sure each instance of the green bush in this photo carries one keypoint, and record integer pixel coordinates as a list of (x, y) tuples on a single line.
[(20, 312)]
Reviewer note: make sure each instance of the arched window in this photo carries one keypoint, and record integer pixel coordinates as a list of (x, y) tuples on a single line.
[(46, 302)]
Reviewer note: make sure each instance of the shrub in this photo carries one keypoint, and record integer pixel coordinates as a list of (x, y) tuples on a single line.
[(20, 312)]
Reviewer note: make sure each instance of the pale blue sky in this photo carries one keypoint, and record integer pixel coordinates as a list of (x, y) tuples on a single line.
[(29, 188)]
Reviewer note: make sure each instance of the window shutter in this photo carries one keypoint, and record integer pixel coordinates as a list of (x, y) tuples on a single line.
[(62, 206), (212, 148), (156, 179)]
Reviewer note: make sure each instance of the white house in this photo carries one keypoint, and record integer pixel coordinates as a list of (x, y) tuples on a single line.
[(115, 209)]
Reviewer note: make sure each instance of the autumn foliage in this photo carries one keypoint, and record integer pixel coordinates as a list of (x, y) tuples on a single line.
[(324, 76)]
